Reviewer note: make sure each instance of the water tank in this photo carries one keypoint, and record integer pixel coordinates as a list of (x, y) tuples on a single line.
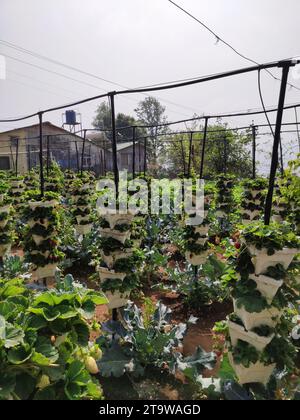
[(71, 117)]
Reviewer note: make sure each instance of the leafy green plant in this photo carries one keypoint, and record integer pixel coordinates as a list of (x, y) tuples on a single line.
[(44, 341), (13, 266), (274, 237), (245, 354), (138, 345), (247, 295)]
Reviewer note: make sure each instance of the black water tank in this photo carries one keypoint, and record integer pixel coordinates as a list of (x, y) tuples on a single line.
[(71, 118)]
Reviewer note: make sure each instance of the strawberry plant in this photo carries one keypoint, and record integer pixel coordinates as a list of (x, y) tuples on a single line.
[(44, 342)]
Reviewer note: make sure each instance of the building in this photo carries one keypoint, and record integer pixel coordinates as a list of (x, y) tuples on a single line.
[(19, 149), (124, 153)]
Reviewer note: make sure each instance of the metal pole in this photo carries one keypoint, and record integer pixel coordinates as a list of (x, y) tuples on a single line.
[(133, 151), (69, 157), (225, 154), (82, 151), (274, 164), (281, 158), (145, 156), (182, 156), (140, 168), (203, 147), (114, 141), (77, 156), (41, 153), (17, 155), (253, 151), (48, 155), (190, 154)]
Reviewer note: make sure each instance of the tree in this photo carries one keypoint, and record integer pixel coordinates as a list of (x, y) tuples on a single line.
[(226, 151), (102, 121), (151, 112)]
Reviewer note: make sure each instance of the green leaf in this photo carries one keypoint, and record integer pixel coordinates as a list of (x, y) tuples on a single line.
[(25, 385), (46, 394), (36, 322), (83, 333), (97, 299), (199, 361), (11, 290), (50, 314), (2, 328), (74, 370), (7, 384), (88, 309), (226, 372), (114, 362), (73, 391), (13, 337), (44, 347), (19, 355), (7, 309)]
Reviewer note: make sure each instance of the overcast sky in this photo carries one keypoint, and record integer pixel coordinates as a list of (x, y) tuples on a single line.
[(141, 42)]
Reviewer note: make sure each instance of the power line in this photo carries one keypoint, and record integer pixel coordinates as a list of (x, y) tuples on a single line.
[(220, 39), (59, 63), (177, 85), (263, 103), (298, 134)]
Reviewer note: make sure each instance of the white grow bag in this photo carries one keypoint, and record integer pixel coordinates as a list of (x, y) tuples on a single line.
[(106, 274), (267, 286), (46, 271), (32, 223), (256, 373), (117, 219), (83, 229), (115, 234), (196, 259), (115, 256), (34, 204), (3, 223), (269, 317), (237, 332), (39, 239), (117, 300), (4, 249), (203, 230), (262, 260), (5, 209)]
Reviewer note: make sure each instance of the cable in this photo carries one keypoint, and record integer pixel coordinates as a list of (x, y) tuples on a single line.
[(42, 57), (298, 134), (263, 104), (200, 80), (219, 39)]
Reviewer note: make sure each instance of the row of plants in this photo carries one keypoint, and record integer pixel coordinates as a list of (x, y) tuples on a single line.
[(41, 237), (258, 329)]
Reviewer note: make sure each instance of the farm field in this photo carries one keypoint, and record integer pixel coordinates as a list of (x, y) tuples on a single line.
[(163, 308)]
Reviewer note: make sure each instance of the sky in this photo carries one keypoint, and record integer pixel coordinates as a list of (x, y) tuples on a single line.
[(142, 42)]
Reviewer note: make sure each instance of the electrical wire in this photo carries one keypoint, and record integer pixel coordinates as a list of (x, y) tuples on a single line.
[(298, 134), (263, 104), (220, 39), (56, 62), (200, 80)]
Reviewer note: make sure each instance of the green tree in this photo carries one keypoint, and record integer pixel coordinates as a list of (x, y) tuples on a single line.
[(102, 121), (225, 152), (150, 112)]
